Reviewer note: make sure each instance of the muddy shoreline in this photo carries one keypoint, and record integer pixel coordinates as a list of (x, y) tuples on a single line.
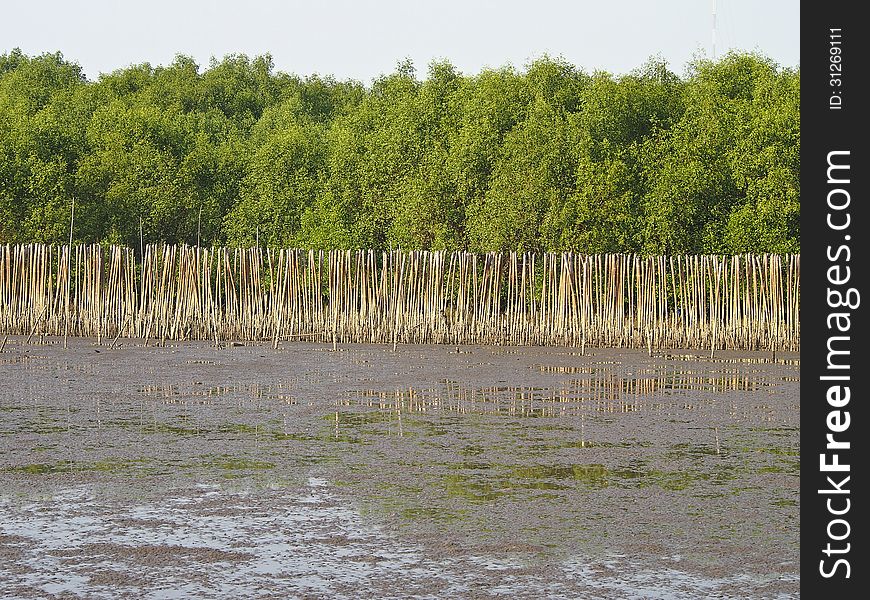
[(428, 471)]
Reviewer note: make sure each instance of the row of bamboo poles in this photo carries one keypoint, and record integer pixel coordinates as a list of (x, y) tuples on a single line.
[(618, 300)]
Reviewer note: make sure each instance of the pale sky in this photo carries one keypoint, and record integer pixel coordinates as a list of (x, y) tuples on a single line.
[(364, 39)]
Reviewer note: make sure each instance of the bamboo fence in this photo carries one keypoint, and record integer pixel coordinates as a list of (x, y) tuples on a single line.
[(748, 302)]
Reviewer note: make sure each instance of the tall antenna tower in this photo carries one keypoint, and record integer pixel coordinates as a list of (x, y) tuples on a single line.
[(714, 29)]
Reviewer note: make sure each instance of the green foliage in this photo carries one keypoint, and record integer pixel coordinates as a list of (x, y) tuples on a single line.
[(546, 158), (533, 172), (283, 178)]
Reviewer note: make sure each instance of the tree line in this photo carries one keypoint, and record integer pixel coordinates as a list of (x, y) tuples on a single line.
[(544, 158)]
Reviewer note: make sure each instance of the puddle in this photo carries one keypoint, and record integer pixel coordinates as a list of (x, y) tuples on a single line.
[(212, 542)]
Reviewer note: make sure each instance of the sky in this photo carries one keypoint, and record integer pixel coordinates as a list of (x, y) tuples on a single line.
[(363, 39)]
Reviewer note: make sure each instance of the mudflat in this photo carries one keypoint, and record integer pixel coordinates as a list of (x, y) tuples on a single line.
[(425, 471)]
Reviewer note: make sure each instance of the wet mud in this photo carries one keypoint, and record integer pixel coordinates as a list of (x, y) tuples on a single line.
[(429, 471)]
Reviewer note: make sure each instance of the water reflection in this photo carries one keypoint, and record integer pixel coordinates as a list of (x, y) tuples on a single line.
[(603, 390), (172, 394)]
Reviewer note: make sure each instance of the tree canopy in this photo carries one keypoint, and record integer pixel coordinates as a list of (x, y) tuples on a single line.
[(548, 157)]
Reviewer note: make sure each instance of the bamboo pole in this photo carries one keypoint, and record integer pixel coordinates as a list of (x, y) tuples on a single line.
[(187, 292)]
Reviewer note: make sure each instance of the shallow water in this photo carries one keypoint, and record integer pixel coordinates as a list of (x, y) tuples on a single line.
[(430, 471)]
